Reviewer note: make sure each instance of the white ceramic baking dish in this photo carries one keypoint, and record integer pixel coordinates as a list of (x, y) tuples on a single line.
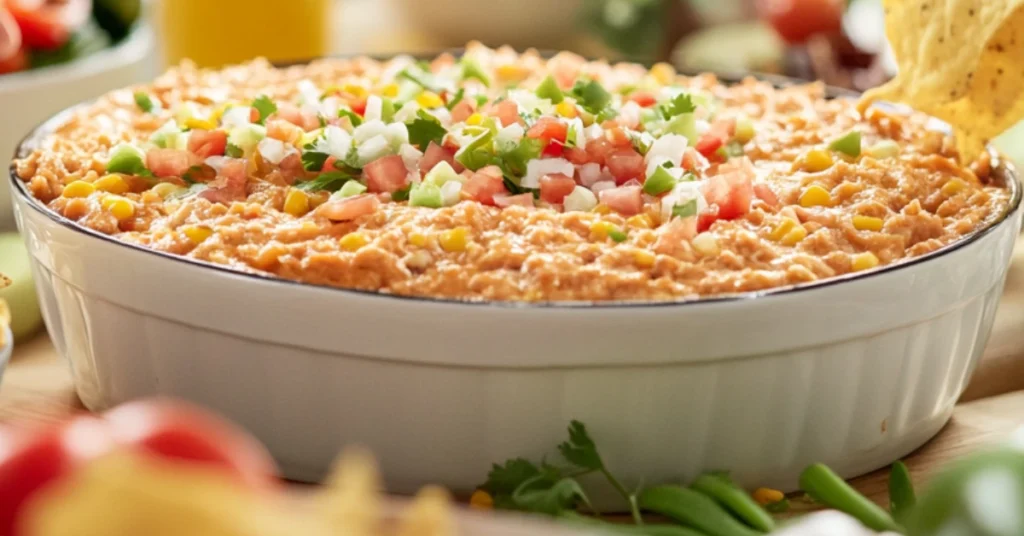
[(854, 372)]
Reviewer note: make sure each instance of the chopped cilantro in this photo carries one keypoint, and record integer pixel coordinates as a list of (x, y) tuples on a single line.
[(332, 181), (401, 195), (234, 151), (680, 104), (313, 160), (685, 210), (144, 101), (425, 129), (322, 119), (514, 162), (459, 95), (591, 95), (265, 107), (352, 117)]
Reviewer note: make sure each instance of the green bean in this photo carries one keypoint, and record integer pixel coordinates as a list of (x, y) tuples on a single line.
[(693, 509), (901, 491), (736, 500), (630, 530), (828, 488)]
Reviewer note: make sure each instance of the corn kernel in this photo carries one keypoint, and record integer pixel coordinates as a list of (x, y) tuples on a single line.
[(864, 261), (511, 73), (78, 189), (481, 500), (474, 120), (953, 187), (867, 223), (296, 203), (114, 184), (643, 258), (815, 196), (566, 109), (121, 208), (355, 90), (640, 221), (817, 160), (197, 234), (663, 73), (794, 236), (418, 239), (601, 229), (601, 208), (766, 496), (706, 245), (390, 90), (784, 226), (200, 124), (353, 241), (454, 239), (429, 99)]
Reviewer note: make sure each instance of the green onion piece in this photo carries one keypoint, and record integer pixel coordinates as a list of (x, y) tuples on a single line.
[(685, 210), (829, 489), (144, 101), (617, 235), (848, 144), (660, 182), (425, 195), (351, 188), (548, 89), (884, 149), (901, 491), (127, 159), (744, 130), (472, 69)]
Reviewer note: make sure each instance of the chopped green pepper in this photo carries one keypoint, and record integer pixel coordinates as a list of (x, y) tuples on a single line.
[(472, 69), (548, 89), (848, 144), (617, 235), (685, 210), (351, 188), (425, 195), (144, 101), (659, 182), (127, 159)]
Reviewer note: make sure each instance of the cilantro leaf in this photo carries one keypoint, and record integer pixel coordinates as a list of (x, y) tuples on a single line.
[(144, 101), (680, 104), (505, 479), (514, 162), (685, 210), (591, 95), (424, 130), (234, 151), (331, 181), (313, 160), (580, 450), (402, 194), (265, 107), (551, 499)]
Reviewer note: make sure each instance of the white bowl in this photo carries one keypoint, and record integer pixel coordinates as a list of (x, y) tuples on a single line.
[(854, 371), (27, 98)]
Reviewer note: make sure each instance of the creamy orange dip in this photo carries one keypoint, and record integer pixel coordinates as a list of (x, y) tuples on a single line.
[(506, 176)]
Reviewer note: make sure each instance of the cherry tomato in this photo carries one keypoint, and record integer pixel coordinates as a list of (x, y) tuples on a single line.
[(797, 20), (49, 25), (30, 460), (179, 431)]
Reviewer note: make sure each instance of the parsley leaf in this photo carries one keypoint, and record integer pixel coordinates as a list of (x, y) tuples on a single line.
[(313, 160), (551, 499), (580, 450), (332, 181), (234, 151), (265, 107), (504, 479), (144, 101), (425, 129), (591, 95), (514, 162), (685, 210), (680, 104)]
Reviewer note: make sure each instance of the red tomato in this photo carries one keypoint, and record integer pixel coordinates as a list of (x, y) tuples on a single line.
[(386, 174), (706, 218), (349, 208), (177, 431), (554, 187), (765, 193), (230, 183), (169, 162), (485, 184), (207, 143), (462, 110), (626, 164), (328, 164), (598, 150), (30, 461), (49, 25), (507, 112), (435, 154), (797, 20), (15, 63), (724, 129), (617, 137), (549, 129), (645, 99), (576, 156), (306, 120), (691, 159), (625, 200), (708, 144), (731, 190), (523, 200), (358, 105)]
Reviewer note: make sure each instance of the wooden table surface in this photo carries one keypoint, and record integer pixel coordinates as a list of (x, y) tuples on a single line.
[(37, 386)]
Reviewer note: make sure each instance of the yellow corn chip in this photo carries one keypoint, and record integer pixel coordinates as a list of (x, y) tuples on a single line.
[(5, 319), (959, 61), (351, 502)]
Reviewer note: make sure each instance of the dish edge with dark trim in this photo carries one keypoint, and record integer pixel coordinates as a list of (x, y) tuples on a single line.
[(1003, 170)]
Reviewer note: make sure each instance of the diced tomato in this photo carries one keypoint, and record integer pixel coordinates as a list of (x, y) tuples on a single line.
[(349, 208), (328, 164), (230, 183), (707, 217), (645, 99), (598, 150), (708, 144), (169, 162), (507, 112), (625, 200), (50, 25), (523, 200), (358, 105), (797, 20), (765, 193), (732, 189), (617, 137), (305, 120), (462, 110), (207, 143), (291, 168), (566, 67), (553, 148), (435, 154), (450, 144), (691, 159), (283, 130), (553, 132), (576, 155), (626, 164), (485, 184), (723, 129), (554, 187), (16, 62), (386, 175)]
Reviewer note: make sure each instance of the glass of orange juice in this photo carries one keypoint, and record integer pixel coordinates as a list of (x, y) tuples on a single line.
[(214, 33)]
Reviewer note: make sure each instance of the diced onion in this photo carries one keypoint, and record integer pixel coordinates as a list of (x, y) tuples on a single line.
[(407, 112), (537, 168), (508, 137), (236, 116), (373, 149), (591, 173), (336, 142), (680, 194), (308, 92), (529, 102), (576, 127), (369, 130), (601, 186), (329, 106), (274, 151), (374, 108), (629, 114), (668, 147), (397, 135), (581, 199), (410, 156), (451, 193)]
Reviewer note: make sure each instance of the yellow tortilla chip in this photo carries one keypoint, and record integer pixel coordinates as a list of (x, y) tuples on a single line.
[(959, 61), (429, 515), (5, 319), (351, 503)]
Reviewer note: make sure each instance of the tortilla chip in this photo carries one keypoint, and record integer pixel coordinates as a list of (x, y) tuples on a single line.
[(959, 61), (5, 321), (429, 515), (351, 501)]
